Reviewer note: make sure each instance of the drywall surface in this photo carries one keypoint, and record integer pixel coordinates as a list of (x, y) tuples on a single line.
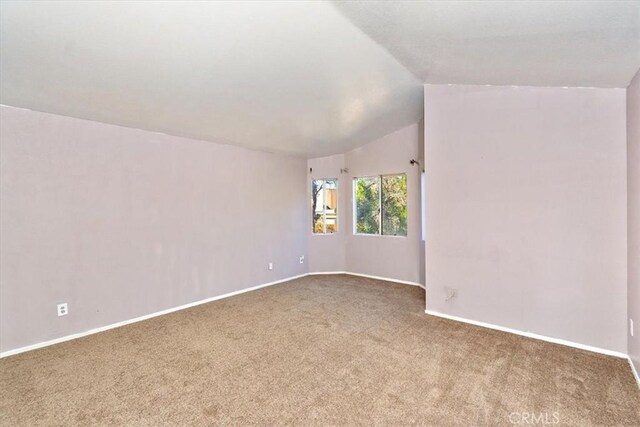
[(399, 258), (633, 215), (193, 69), (526, 209), (327, 251), (536, 43), (120, 223)]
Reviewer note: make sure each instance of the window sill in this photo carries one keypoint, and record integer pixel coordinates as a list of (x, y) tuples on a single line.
[(379, 235)]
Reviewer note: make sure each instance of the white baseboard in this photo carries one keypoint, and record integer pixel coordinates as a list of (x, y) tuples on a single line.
[(326, 273), (141, 318), (387, 279), (230, 294), (530, 335), (171, 310), (635, 373), (368, 276)]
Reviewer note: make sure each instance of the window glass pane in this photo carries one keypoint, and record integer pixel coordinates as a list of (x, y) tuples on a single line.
[(330, 201), (367, 198), (394, 205), (317, 203), (324, 202)]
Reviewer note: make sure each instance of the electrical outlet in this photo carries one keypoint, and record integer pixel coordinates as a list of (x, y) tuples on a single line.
[(302, 259), (63, 309), (631, 326), (270, 266), (450, 293)]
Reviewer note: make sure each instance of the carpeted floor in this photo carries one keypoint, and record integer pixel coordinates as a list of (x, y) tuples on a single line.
[(322, 350)]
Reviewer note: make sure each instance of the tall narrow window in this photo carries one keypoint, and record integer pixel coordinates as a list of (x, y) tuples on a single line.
[(380, 205), (324, 202)]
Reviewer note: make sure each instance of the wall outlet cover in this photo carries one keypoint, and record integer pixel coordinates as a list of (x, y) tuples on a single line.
[(63, 309)]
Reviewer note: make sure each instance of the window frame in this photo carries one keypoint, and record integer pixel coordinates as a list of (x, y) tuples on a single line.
[(355, 205), (324, 210)]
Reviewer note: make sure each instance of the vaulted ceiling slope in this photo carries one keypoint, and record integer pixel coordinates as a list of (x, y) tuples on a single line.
[(536, 43), (294, 77)]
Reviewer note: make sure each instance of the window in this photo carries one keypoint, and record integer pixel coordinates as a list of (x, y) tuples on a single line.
[(324, 201), (380, 205)]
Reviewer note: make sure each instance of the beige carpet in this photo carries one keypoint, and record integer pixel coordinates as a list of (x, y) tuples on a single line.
[(322, 350)]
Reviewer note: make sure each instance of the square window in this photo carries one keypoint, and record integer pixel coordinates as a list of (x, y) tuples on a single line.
[(380, 205)]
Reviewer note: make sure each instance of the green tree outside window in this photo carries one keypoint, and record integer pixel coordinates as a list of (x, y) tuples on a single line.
[(381, 205)]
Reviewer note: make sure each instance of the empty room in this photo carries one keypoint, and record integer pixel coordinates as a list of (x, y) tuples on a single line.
[(319, 213)]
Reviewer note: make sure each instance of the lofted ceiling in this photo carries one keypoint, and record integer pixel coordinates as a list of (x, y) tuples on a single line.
[(293, 77), (535, 43), (306, 78)]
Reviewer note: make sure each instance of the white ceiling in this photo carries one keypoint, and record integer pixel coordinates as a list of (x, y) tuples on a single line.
[(537, 43), (293, 77), (297, 77)]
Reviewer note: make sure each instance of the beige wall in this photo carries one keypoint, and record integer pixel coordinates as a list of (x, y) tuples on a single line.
[(121, 223), (526, 209), (399, 258), (633, 215)]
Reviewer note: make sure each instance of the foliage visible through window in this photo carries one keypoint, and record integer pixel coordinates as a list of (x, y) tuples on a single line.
[(368, 205), (381, 205), (324, 200)]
